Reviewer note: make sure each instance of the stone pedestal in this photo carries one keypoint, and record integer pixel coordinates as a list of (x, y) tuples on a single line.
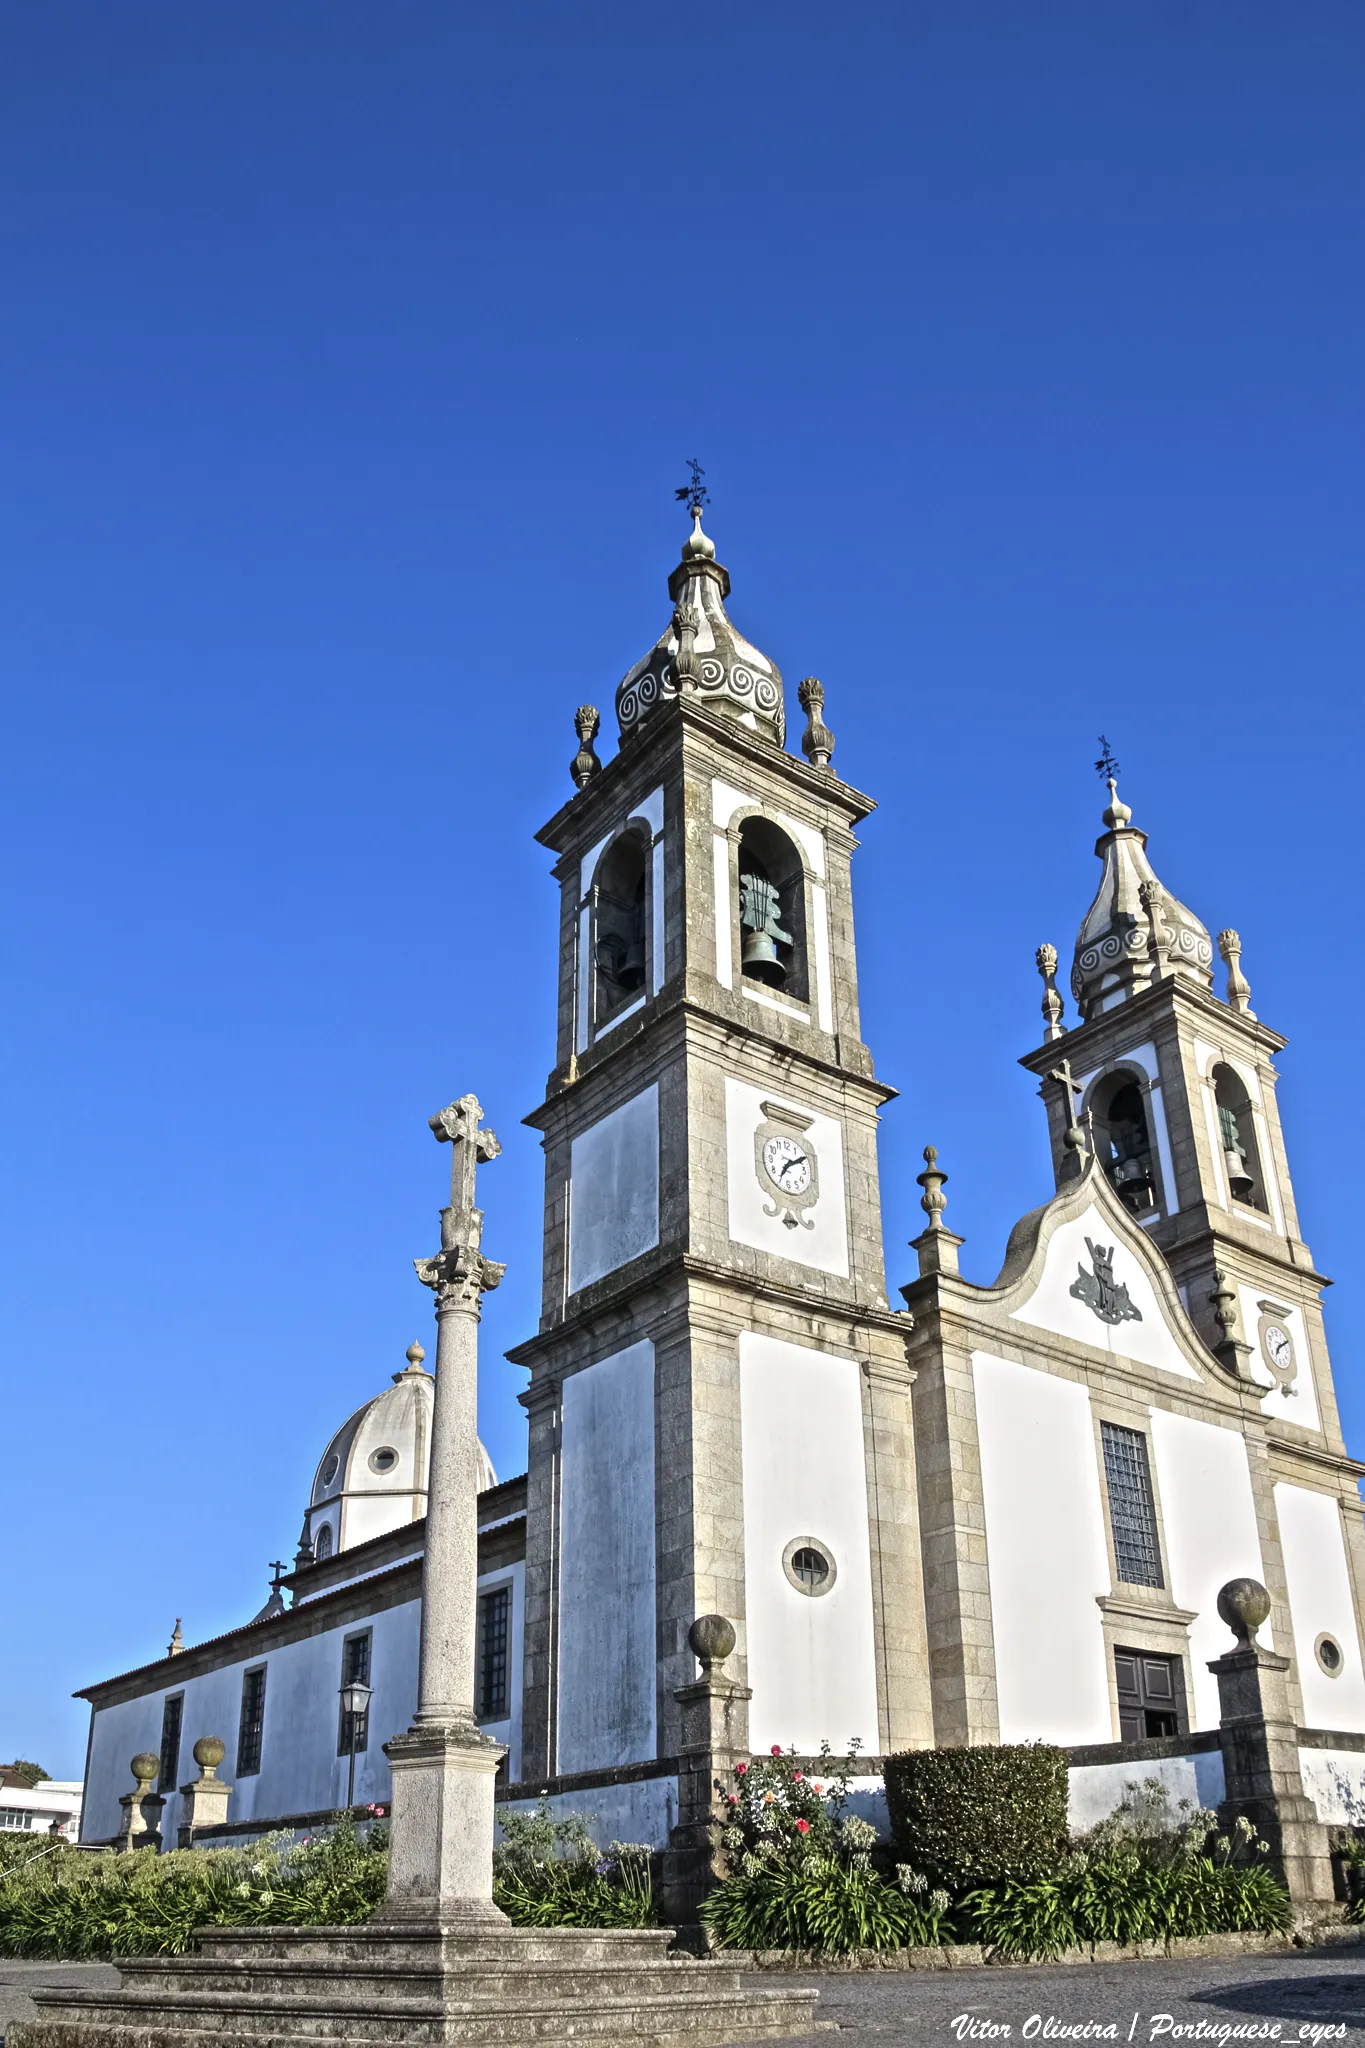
[(1260, 1745), (441, 1834), (140, 1827), (714, 1738), (204, 1801)]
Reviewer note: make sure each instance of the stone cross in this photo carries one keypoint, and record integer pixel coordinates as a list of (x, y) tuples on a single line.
[(441, 1848), (1074, 1136)]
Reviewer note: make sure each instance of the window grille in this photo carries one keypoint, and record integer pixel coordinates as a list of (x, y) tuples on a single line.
[(252, 1724), (495, 1618), (1132, 1510), (355, 1670), (171, 1714)]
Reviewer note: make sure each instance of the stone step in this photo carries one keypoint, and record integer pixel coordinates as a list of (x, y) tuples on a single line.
[(694, 2018), (465, 1981), (567, 1947)]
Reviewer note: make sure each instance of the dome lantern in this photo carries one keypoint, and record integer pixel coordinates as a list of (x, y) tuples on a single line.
[(1135, 932)]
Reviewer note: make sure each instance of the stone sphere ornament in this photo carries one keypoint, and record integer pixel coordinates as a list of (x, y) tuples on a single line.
[(145, 1766), (1244, 1604), (208, 1753), (712, 1638)]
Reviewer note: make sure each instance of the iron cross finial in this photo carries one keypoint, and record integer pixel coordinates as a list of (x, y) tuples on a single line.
[(693, 493)]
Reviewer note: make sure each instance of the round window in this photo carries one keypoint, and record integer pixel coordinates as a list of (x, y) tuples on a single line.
[(1327, 1650), (330, 1469), (809, 1565), (384, 1459)]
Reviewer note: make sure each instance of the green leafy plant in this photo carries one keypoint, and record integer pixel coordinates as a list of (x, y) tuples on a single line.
[(549, 1872), (979, 1815), (1147, 1873), (82, 1907), (803, 1872)]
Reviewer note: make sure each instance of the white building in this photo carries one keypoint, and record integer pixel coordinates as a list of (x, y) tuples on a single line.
[(52, 1806), (1001, 1512)]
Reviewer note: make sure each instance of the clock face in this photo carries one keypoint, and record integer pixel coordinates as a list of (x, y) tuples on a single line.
[(787, 1164), (1279, 1347)]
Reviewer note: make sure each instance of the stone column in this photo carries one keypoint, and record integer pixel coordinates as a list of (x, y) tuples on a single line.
[(204, 1801), (140, 1827), (441, 1853), (1261, 1754), (715, 1737)]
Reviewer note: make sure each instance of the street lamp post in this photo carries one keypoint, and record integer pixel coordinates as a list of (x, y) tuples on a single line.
[(355, 1701)]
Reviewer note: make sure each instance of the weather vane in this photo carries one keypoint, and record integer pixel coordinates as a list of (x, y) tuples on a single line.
[(1106, 765), (694, 493)]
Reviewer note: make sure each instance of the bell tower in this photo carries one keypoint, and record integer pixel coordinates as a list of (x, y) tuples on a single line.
[(1173, 1088), (719, 1390)]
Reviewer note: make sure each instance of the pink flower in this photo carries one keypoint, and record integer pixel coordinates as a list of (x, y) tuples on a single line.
[(732, 1799), (803, 1827), (777, 1749), (817, 1788), (740, 1769), (799, 1778)]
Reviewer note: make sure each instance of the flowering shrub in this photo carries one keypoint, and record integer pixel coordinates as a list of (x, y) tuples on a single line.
[(549, 1872), (802, 1870), (1147, 1873), (80, 1906)]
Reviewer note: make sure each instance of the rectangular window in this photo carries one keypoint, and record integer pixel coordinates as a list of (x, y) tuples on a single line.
[(171, 1714), (1151, 1693), (252, 1724), (495, 1622), (17, 1817), (353, 1732), (1132, 1510)]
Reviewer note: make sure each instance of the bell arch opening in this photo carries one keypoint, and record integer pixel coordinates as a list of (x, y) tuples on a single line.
[(1237, 1131), (772, 910), (619, 891), (1123, 1140)]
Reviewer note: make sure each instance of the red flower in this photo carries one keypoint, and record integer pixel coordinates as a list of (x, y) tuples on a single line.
[(732, 1799), (799, 1778), (803, 1827), (777, 1749), (740, 1769), (817, 1788)]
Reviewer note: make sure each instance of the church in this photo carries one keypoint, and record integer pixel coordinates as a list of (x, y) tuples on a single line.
[(978, 1514)]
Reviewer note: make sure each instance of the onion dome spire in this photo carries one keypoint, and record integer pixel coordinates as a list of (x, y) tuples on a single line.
[(700, 652), (1135, 932)]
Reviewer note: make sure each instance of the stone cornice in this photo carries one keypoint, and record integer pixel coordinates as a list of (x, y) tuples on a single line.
[(640, 763), (1175, 993), (610, 1296)]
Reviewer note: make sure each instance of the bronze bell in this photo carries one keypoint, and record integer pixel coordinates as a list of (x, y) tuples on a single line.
[(1239, 1180), (758, 958)]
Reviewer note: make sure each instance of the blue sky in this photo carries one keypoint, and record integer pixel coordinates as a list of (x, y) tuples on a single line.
[(350, 357)]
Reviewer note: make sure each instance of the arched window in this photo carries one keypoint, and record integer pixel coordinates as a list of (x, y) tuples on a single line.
[(618, 927), (772, 909), (323, 1546), (1124, 1142), (1237, 1129)]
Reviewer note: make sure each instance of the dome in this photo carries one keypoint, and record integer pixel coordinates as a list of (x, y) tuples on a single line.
[(1134, 932), (372, 1477), (701, 649)]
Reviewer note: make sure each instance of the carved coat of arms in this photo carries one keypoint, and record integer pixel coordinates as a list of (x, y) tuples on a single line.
[(1100, 1291)]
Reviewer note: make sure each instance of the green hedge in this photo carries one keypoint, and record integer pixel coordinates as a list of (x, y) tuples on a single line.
[(978, 1816)]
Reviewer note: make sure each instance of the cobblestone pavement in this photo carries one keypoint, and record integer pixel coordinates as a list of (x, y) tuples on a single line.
[(1144, 2003)]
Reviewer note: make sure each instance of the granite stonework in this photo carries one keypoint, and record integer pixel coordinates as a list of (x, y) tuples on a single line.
[(417, 1985)]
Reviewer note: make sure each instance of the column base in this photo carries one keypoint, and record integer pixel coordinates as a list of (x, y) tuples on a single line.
[(441, 1834)]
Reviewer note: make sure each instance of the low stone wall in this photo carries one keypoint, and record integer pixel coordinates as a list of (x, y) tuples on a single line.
[(970, 1955)]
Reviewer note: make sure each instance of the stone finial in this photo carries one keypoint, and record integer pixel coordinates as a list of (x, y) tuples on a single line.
[(141, 1809), (1244, 1604), (585, 764), (1230, 1350), (933, 1201), (817, 741), (305, 1554), (1239, 988), (208, 1753), (1045, 960), (177, 1642), (144, 1768), (937, 1246), (1152, 897), (1073, 1137), (413, 1369), (712, 1638)]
